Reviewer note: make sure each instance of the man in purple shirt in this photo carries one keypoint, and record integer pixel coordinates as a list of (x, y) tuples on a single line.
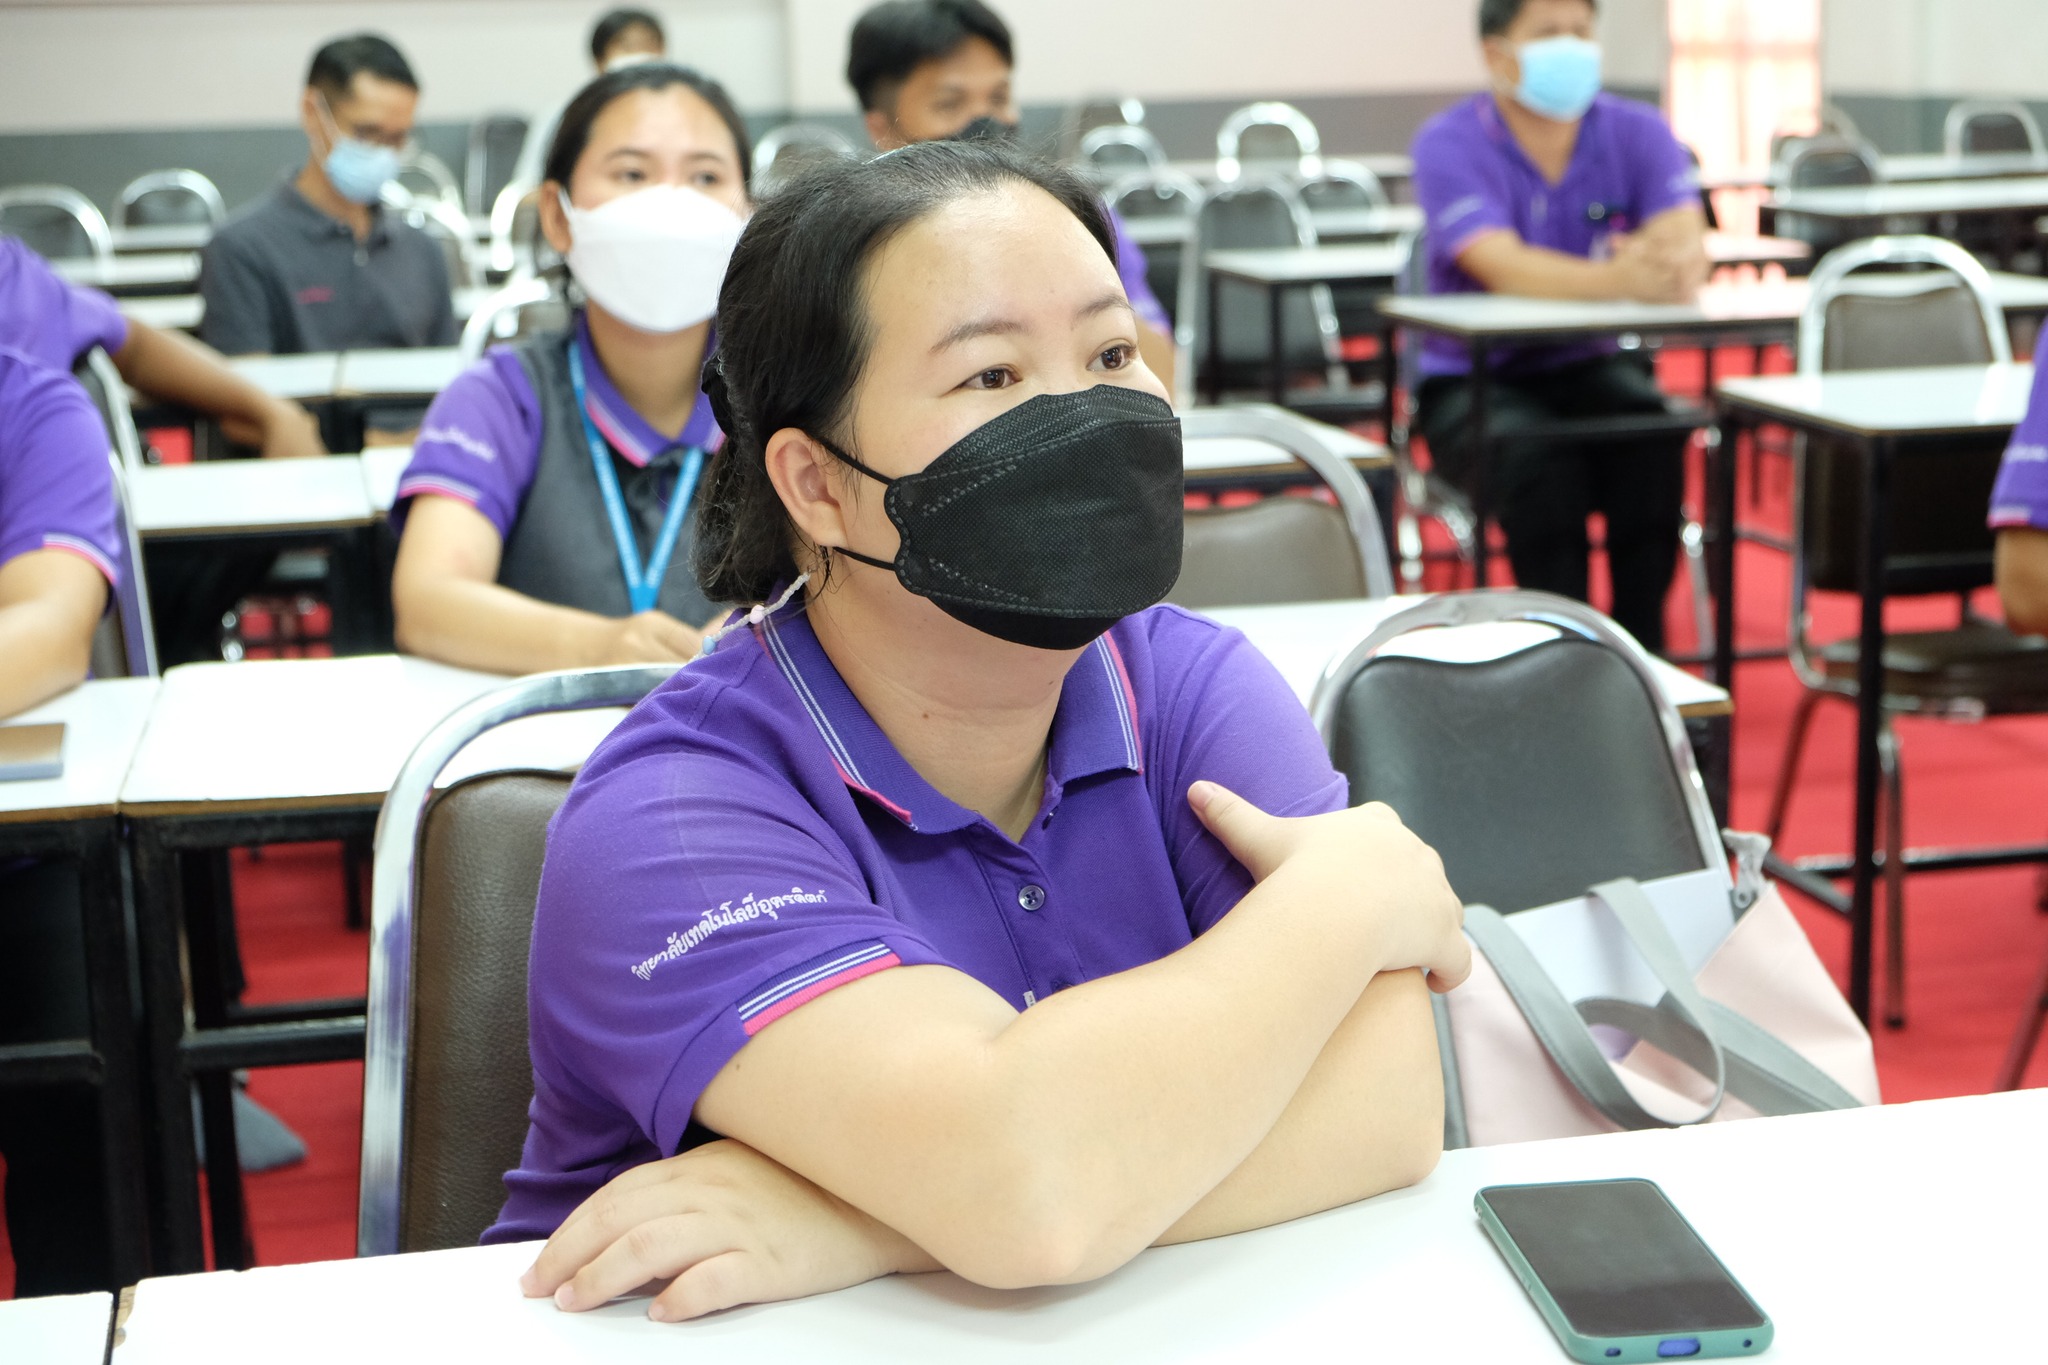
[(1543, 186), (931, 69), (816, 855), (2019, 514)]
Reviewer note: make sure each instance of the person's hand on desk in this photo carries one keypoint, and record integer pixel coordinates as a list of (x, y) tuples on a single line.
[(718, 1226), (1647, 270), (286, 431)]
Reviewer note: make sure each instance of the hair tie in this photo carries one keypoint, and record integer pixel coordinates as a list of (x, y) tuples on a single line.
[(714, 386)]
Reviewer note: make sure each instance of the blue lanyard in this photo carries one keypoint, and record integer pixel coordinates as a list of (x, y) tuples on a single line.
[(643, 586)]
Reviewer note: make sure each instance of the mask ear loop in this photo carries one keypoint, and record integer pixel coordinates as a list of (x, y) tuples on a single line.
[(756, 614), (882, 479)]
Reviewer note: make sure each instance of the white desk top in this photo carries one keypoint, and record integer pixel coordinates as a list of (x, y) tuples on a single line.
[(310, 733), (230, 497), (1727, 248), (63, 1329), (161, 236), (151, 271), (1942, 166), (383, 467), (1392, 221), (182, 312), (103, 721), (1385, 165), (1301, 638), (1937, 400), (289, 376), (1905, 1233), (2016, 195), (420, 373), (1312, 264)]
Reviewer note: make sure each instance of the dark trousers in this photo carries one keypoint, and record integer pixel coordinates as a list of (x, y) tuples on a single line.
[(49, 1134), (1541, 491)]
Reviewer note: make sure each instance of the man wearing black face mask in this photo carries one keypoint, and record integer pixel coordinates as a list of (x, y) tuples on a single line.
[(927, 70)]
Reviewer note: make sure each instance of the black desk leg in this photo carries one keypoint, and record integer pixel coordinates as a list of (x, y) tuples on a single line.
[(1482, 462), (179, 1245), (213, 960), (1877, 475), (1215, 347), (1390, 377), (1723, 441), (108, 963), (1276, 359)]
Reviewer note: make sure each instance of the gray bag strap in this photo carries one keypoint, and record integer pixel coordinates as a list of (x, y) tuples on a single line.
[(1762, 1071), (1558, 1025)]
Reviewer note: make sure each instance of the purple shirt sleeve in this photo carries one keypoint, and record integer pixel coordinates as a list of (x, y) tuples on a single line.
[(1229, 718), (1131, 267), (48, 319), (2020, 497), (479, 443), (56, 486)]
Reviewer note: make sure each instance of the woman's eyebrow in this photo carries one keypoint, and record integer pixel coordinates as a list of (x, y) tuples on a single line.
[(974, 328)]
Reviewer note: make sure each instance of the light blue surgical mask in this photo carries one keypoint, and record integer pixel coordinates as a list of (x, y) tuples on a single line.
[(358, 170), (1560, 77)]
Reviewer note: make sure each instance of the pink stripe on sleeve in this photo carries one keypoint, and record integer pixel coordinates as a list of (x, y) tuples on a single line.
[(818, 988)]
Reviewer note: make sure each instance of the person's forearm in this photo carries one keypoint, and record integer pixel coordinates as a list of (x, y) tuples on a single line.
[(44, 655), (1538, 272), (181, 371), (492, 628), (2022, 570), (1368, 1118)]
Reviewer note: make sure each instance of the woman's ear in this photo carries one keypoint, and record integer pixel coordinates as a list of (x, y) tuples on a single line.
[(801, 471), (554, 219)]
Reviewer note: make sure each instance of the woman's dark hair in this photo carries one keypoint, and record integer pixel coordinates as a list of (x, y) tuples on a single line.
[(572, 134), (893, 39), (794, 333), (1498, 16), (606, 30)]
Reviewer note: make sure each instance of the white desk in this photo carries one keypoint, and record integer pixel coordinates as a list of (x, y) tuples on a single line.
[(249, 497), (1395, 220), (1729, 249), (1941, 166), (159, 271), (1900, 1234), (1385, 165), (383, 467), (161, 236), (410, 374), (1350, 263), (1934, 401), (183, 312), (244, 735), (63, 1329), (2022, 194), (298, 377), (1301, 639), (103, 721)]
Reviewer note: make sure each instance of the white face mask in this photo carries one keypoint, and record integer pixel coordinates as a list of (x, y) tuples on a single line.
[(655, 258)]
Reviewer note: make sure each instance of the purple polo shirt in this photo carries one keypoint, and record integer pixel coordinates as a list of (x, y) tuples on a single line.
[(49, 319), (1472, 177), (748, 839), (56, 486), (480, 440), (1130, 267), (2020, 497)]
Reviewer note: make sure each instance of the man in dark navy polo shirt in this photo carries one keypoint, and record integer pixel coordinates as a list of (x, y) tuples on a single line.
[(1544, 186), (317, 265)]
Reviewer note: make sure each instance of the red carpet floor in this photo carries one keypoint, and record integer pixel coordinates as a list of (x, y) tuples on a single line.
[(1975, 940)]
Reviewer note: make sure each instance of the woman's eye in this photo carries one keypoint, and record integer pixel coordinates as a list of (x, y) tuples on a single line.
[(1118, 357), (998, 378)]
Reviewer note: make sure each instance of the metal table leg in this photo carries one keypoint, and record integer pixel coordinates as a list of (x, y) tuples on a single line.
[(109, 963), (1723, 441), (1276, 359), (1482, 460), (179, 1243), (1877, 474), (1215, 347)]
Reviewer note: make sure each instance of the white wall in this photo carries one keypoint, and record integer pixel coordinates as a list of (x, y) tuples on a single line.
[(182, 64), (219, 63), (1935, 47)]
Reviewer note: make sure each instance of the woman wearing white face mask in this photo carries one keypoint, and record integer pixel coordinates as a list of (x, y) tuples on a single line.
[(546, 516)]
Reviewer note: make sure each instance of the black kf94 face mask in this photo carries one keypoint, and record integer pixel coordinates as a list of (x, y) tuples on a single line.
[(1048, 525)]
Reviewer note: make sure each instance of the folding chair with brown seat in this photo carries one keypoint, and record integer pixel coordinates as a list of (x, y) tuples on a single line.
[(1938, 541), (446, 1080), (1283, 549)]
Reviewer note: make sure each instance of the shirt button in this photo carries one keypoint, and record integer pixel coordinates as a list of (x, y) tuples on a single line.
[(1031, 897)]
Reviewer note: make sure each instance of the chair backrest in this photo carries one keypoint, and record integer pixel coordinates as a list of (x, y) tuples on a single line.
[(521, 308), (1943, 315), (1267, 132), (1157, 194), (449, 226), (515, 228), (1343, 185), (422, 175), (103, 384), (1283, 549), (782, 153), (56, 222), (1263, 212), (170, 197), (1092, 113), (495, 141), (1117, 150), (1546, 760), (124, 642), (1980, 127), (1829, 159), (446, 1077)]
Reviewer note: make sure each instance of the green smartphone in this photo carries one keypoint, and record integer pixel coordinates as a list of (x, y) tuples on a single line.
[(1619, 1274)]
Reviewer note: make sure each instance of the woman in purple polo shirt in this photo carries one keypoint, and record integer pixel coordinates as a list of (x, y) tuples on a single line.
[(963, 907), (2019, 514), (546, 514)]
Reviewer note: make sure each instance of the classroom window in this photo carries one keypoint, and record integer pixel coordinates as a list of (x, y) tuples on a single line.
[(1742, 71)]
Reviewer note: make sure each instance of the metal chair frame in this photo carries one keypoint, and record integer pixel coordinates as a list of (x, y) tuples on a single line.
[(392, 900), (778, 140), (1267, 114), (1184, 187), (1338, 171), (156, 182), (1798, 151), (446, 187), (482, 328), (1318, 446), (1830, 280), (1955, 128), (503, 256), (1194, 283), (1140, 140), (476, 164), (64, 199), (131, 597), (1079, 120)]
